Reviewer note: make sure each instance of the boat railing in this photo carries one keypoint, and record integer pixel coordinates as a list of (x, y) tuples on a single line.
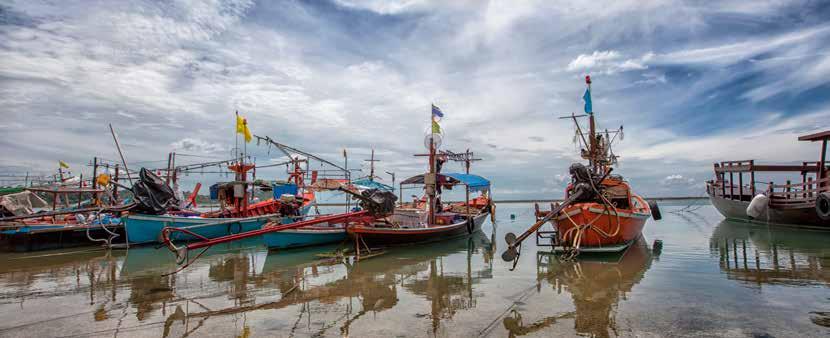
[(725, 181), (796, 195)]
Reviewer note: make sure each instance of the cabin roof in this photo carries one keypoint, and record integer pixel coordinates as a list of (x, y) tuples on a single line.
[(820, 136), (474, 182)]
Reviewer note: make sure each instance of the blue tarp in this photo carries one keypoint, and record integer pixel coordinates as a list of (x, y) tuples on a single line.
[(365, 184), (284, 188), (474, 182)]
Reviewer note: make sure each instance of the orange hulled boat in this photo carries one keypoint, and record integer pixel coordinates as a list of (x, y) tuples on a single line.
[(600, 212)]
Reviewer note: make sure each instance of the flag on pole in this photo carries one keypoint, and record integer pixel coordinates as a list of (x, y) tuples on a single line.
[(437, 112), (587, 97), (589, 109), (240, 124), (436, 128), (63, 164), (246, 131)]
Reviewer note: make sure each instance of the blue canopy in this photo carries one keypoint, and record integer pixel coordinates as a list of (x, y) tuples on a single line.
[(474, 182), (365, 184)]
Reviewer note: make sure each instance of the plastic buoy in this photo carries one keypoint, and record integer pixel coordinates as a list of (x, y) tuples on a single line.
[(757, 206)]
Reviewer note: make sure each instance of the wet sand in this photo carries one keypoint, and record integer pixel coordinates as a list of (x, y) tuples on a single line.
[(712, 278)]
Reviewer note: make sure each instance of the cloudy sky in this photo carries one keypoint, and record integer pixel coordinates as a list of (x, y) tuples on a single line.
[(692, 81)]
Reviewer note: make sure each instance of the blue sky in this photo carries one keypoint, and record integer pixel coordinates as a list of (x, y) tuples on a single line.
[(693, 82)]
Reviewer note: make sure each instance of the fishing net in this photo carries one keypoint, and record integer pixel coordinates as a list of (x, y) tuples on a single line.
[(153, 196)]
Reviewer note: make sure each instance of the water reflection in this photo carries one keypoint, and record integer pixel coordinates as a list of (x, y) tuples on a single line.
[(758, 254), (595, 283), (299, 281)]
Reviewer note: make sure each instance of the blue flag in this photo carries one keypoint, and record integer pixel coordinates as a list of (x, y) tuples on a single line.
[(587, 97), (437, 111)]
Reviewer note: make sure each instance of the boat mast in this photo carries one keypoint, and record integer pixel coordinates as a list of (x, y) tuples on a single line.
[(593, 153), (432, 178)]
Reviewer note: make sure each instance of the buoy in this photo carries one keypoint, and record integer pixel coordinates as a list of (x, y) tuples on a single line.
[(757, 206), (823, 205)]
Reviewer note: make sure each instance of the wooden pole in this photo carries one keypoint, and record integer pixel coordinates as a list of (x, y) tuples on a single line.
[(120, 153), (115, 187), (731, 185), (752, 176), (822, 171), (80, 186), (741, 186), (809, 187)]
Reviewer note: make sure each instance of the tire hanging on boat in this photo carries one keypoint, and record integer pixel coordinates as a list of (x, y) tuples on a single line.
[(823, 206)]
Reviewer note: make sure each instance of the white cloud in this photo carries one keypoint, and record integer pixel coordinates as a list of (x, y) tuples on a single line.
[(677, 180), (198, 146), (605, 62)]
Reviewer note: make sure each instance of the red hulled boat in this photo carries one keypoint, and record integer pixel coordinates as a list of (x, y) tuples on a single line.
[(600, 212)]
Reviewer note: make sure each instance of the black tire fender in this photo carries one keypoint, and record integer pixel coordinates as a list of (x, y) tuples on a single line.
[(823, 206), (655, 211)]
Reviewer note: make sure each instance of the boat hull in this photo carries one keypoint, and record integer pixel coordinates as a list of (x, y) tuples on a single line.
[(736, 210), (35, 237), (146, 229), (378, 237), (304, 237), (602, 235)]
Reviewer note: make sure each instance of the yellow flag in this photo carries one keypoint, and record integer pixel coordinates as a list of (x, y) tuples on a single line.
[(436, 129), (240, 124), (246, 131), (63, 164)]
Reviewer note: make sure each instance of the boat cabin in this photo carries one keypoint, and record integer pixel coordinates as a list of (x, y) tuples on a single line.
[(736, 180)]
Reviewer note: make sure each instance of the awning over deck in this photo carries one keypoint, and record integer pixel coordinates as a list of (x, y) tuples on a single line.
[(366, 184), (820, 136), (474, 182)]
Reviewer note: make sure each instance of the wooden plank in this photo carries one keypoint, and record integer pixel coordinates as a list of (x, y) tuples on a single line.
[(793, 206), (824, 135), (799, 184), (778, 200), (767, 167)]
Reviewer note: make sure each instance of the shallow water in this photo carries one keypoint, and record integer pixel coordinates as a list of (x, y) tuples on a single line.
[(712, 278)]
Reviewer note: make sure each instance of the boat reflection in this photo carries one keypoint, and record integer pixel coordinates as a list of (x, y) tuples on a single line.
[(596, 283), (758, 254), (374, 283)]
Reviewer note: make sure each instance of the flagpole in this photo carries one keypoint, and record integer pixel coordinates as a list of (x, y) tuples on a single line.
[(236, 134)]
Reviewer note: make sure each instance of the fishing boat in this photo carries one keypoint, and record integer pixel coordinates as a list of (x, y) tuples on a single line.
[(325, 233), (427, 219), (27, 225), (600, 212), (748, 197), (291, 200)]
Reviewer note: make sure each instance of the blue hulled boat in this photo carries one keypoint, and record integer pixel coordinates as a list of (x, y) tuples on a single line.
[(146, 229), (306, 236)]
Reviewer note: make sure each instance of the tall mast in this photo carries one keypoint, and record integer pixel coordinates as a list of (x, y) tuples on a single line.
[(432, 180), (592, 134)]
